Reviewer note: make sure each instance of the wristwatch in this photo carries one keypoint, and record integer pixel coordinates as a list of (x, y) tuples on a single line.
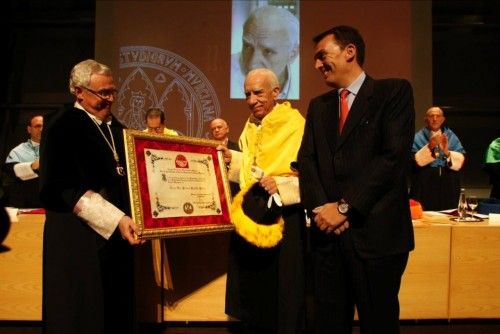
[(343, 207)]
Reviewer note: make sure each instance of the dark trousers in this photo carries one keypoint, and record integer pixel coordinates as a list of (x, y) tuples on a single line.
[(343, 280)]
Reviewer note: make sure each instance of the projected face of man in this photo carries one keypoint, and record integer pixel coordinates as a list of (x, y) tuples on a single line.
[(266, 45)]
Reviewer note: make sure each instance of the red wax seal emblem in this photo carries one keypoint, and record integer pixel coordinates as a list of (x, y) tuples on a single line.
[(188, 208), (181, 161)]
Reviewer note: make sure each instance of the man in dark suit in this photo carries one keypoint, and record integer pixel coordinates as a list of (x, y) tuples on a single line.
[(220, 131), (353, 182)]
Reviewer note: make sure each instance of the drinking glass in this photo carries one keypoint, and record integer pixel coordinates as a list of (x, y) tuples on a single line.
[(472, 203), (462, 206)]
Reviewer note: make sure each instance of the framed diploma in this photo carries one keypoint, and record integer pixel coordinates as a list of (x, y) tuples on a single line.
[(178, 185)]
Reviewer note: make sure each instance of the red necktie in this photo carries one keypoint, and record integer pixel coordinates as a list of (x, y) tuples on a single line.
[(344, 108)]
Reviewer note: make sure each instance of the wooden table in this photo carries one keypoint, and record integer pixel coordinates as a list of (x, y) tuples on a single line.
[(425, 283), (454, 272), (475, 272), (21, 270)]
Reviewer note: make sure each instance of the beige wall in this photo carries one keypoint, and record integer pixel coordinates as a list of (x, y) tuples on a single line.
[(421, 58), (397, 36)]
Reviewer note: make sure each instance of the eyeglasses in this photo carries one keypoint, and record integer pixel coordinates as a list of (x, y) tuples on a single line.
[(104, 94), (157, 129)]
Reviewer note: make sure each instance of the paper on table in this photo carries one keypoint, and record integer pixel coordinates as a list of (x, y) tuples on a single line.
[(12, 212), (494, 218), (454, 212), (436, 213)]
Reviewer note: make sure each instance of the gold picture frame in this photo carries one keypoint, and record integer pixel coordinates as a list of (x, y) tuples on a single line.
[(178, 185)]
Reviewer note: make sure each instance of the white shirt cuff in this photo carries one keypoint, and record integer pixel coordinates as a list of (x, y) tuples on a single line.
[(457, 160), (288, 188), (102, 216), (24, 171), (424, 156), (233, 173)]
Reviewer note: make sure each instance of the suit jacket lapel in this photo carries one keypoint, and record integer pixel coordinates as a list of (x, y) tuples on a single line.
[(358, 109), (330, 119)]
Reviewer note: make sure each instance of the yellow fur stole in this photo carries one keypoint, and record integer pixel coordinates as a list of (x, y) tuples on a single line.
[(273, 144), (262, 236)]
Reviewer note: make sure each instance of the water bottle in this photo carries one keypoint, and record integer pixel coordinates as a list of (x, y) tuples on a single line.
[(462, 205)]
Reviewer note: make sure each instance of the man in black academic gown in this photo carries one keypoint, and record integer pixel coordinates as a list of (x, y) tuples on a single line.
[(87, 257), (265, 276)]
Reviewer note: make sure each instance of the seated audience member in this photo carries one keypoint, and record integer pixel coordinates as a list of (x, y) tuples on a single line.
[(155, 122), (22, 165), (438, 158), (492, 167), (220, 131)]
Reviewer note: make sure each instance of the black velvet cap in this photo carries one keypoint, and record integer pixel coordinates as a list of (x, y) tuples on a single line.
[(255, 206)]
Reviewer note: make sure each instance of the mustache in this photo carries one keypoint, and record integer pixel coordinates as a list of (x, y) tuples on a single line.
[(327, 67)]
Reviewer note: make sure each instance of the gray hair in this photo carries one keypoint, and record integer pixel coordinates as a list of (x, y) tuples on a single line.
[(81, 73), (219, 119), (277, 16)]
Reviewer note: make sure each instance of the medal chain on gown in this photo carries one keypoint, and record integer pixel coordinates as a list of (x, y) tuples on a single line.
[(119, 169)]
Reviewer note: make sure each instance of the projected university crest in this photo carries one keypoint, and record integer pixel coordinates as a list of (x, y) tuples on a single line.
[(153, 77)]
